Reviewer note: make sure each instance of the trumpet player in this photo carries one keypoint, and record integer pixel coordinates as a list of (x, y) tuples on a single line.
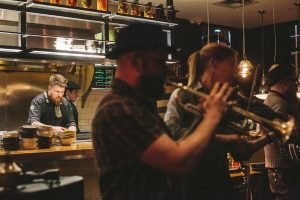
[(133, 146), (284, 176), (214, 63)]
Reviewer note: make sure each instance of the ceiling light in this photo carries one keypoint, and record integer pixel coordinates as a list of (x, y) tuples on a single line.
[(245, 66)]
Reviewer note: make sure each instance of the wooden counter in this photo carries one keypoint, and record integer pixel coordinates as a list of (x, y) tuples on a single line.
[(76, 151), (77, 159)]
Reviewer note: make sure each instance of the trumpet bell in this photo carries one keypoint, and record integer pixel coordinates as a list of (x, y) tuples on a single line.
[(286, 129)]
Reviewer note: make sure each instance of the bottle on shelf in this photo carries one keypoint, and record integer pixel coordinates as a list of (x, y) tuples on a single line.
[(135, 8), (171, 13), (72, 3), (102, 5), (123, 7), (86, 4), (148, 10), (159, 12), (59, 2)]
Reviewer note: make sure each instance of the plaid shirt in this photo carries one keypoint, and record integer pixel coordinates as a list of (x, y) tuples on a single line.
[(124, 126)]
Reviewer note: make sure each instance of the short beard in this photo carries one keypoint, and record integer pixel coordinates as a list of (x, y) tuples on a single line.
[(56, 101)]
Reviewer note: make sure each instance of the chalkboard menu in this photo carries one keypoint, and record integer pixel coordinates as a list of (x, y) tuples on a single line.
[(103, 77)]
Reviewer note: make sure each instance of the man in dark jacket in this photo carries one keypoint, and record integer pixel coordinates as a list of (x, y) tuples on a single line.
[(51, 108), (283, 175), (72, 94)]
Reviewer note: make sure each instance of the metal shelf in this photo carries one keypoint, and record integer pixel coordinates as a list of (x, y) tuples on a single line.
[(13, 2), (63, 11), (141, 19)]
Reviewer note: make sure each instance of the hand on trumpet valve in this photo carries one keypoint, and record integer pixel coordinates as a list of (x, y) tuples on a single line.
[(217, 101)]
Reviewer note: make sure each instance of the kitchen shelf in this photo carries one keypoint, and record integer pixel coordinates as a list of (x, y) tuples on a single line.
[(37, 55), (13, 2), (63, 11), (132, 19)]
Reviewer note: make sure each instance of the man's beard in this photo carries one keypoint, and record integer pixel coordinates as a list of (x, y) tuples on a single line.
[(152, 86), (56, 101)]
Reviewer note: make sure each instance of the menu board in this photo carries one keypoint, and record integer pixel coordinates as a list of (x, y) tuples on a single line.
[(103, 77)]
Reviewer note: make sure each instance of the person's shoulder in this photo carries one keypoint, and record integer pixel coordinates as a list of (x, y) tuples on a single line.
[(65, 101), (39, 98)]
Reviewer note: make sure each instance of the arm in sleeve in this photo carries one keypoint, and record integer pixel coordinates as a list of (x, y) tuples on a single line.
[(172, 116), (71, 125), (35, 110)]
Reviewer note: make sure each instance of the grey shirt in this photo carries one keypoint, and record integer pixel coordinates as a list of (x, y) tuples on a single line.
[(42, 109), (276, 156)]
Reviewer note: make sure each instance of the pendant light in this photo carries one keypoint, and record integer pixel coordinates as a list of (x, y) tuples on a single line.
[(263, 88), (275, 36), (245, 66), (208, 25)]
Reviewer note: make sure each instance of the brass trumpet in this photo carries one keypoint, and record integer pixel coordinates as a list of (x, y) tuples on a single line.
[(279, 126)]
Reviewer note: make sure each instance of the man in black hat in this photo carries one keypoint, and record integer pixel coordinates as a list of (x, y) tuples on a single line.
[(133, 146), (284, 177), (72, 94)]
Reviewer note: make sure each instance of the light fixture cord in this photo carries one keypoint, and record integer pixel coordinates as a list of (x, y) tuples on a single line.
[(208, 25), (262, 43), (243, 24), (274, 32)]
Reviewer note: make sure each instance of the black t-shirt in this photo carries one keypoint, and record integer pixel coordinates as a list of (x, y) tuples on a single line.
[(42, 109)]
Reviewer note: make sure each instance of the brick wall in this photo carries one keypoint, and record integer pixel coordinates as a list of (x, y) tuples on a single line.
[(86, 114)]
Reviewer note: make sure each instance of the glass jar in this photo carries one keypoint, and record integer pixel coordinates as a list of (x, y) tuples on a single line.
[(148, 10), (72, 3), (86, 4), (102, 5), (159, 12), (56, 2), (123, 7), (135, 8), (171, 13)]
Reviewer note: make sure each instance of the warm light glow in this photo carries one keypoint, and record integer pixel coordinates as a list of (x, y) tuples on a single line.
[(261, 96), (244, 68), (10, 50), (87, 55)]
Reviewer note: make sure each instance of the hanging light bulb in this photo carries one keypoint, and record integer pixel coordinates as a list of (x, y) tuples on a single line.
[(275, 35), (263, 88), (245, 66)]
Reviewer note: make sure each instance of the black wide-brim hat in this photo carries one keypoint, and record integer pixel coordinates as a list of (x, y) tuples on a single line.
[(139, 37), (279, 72), (73, 86)]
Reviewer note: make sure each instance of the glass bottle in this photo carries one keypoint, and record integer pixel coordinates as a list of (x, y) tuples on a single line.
[(148, 10), (71, 3), (102, 5), (159, 12), (135, 8), (86, 4), (171, 13), (56, 2), (122, 7)]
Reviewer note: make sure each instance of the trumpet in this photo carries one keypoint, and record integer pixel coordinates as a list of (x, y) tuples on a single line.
[(277, 125)]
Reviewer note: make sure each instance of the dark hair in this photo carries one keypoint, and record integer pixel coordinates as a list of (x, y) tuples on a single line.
[(198, 61)]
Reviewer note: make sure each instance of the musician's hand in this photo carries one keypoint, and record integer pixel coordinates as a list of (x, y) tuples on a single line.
[(216, 103)]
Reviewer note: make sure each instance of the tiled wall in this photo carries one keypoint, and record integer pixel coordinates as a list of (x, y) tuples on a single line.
[(86, 114)]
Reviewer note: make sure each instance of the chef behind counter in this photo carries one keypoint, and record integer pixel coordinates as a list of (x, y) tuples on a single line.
[(51, 108)]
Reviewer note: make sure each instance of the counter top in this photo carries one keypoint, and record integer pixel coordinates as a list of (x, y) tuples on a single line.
[(78, 150)]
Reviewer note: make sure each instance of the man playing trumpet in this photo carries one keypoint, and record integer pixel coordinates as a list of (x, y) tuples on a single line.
[(214, 63), (133, 146)]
